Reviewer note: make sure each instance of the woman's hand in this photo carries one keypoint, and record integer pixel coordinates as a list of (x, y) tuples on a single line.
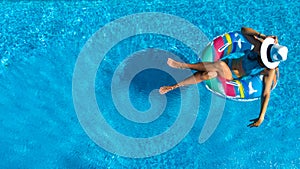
[(255, 122), (258, 38), (269, 36), (274, 37)]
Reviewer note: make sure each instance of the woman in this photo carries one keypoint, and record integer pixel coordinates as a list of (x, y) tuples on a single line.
[(263, 59)]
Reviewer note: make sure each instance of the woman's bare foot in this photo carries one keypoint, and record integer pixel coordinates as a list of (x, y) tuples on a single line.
[(165, 89), (174, 64)]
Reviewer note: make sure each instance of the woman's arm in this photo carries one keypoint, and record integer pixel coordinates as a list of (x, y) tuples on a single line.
[(268, 79), (252, 32), (252, 36)]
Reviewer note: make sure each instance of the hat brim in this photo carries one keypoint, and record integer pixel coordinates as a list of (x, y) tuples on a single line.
[(264, 53)]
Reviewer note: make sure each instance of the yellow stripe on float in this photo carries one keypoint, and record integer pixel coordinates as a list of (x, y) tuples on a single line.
[(227, 36), (241, 88)]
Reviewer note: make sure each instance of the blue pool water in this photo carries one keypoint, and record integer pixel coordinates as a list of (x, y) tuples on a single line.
[(41, 41)]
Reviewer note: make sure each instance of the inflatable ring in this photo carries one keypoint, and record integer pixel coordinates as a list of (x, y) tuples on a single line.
[(231, 46)]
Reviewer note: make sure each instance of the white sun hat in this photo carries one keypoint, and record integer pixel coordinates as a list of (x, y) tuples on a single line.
[(272, 54)]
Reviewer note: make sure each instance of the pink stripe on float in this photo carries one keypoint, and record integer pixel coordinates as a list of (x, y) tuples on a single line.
[(218, 43), (228, 88)]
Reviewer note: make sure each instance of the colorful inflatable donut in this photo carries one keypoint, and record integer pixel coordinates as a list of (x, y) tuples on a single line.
[(231, 46)]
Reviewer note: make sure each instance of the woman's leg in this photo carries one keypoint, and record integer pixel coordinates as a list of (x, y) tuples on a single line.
[(194, 79), (220, 67)]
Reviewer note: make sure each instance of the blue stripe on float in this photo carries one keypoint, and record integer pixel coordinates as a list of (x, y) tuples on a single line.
[(233, 40)]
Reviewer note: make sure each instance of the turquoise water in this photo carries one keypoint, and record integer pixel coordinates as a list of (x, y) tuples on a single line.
[(41, 41)]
